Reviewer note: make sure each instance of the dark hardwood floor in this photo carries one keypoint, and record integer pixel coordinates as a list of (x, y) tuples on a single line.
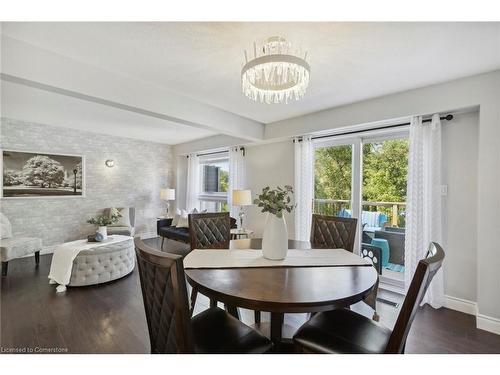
[(109, 318)]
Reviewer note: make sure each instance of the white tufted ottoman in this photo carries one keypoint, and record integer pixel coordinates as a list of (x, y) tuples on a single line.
[(103, 264)]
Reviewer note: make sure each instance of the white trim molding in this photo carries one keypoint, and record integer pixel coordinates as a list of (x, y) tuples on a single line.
[(488, 323), (484, 322), (459, 304)]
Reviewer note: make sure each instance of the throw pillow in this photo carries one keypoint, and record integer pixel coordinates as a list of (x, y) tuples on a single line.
[(176, 218), (5, 227), (183, 220), (124, 220)]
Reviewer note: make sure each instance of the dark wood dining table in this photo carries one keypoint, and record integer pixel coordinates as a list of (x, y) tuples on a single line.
[(281, 290)]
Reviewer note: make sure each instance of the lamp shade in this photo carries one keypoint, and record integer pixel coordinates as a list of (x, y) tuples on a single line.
[(167, 194), (242, 198)]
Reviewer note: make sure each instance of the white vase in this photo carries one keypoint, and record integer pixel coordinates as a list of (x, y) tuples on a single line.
[(275, 238), (104, 232)]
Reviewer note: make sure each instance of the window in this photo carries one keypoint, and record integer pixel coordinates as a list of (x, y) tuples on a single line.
[(214, 178)]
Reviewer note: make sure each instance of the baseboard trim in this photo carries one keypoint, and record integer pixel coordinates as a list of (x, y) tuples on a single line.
[(484, 322), (460, 304), (488, 323)]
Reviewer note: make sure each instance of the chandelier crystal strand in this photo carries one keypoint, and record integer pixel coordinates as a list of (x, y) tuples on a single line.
[(276, 76)]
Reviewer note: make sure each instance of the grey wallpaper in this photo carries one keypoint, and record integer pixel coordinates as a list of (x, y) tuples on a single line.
[(141, 169)]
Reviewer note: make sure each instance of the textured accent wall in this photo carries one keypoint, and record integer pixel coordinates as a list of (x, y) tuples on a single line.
[(141, 169)]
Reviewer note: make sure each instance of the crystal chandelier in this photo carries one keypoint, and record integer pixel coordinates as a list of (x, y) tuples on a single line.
[(277, 75)]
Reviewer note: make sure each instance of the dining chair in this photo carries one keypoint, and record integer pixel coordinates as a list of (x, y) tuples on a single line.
[(374, 254), (333, 232), (211, 231), (344, 331), (171, 328), (208, 231)]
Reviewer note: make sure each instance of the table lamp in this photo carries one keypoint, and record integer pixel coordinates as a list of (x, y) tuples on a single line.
[(242, 198), (167, 195)]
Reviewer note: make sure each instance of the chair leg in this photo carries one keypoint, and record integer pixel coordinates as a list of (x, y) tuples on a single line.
[(162, 240), (194, 294), (37, 258), (232, 310), (5, 265), (256, 315), (213, 303)]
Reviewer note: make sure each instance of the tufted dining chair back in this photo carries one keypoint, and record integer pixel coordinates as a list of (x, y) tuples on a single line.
[(209, 230), (165, 299), (333, 232)]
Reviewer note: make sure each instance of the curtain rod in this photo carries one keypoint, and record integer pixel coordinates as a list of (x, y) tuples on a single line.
[(218, 152), (447, 118)]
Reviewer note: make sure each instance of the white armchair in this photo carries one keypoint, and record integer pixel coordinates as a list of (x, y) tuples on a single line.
[(16, 247)]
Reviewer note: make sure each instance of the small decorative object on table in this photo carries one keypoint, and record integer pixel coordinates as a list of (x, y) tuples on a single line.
[(102, 223), (275, 236)]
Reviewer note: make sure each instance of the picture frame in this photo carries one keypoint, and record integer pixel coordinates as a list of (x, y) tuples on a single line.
[(33, 174)]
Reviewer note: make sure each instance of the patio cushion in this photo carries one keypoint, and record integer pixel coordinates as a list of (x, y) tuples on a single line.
[(384, 246), (12, 248)]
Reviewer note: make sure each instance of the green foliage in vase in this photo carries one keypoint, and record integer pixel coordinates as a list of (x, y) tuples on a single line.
[(275, 201), (104, 220)]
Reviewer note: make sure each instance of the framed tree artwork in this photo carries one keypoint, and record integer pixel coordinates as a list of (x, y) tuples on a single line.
[(36, 175)]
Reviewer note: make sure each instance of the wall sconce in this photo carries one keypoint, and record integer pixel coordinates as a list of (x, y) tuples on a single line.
[(110, 163)]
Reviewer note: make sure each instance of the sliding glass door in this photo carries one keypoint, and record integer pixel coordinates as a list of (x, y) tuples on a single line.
[(365, 177)]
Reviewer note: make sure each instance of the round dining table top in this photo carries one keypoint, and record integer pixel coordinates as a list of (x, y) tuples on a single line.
[(284, 289)]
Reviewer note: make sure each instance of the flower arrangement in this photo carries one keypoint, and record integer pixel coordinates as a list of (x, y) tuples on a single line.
[(275, 201), (104, 220)]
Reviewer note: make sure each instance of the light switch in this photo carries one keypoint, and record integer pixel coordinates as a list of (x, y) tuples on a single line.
[(444, 190)]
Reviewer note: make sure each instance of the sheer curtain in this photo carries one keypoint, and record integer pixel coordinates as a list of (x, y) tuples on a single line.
[(193, 183), (237, 175), (303, 187), (424, 212)]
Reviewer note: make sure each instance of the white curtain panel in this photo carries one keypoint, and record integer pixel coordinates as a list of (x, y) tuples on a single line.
[(424, 208), (193, 183), (237, 175), (303, 187)]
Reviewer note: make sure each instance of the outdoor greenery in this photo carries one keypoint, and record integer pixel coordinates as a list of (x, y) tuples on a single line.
[(104, 220), (385, 168), (275, 201), (224, 180)]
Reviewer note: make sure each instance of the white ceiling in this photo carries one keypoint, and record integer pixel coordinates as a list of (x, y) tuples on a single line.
[(349, 61), (45, 107)]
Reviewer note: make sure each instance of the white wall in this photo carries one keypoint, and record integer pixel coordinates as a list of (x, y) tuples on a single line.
[(181, 181), (269, 165), (460, 150)]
